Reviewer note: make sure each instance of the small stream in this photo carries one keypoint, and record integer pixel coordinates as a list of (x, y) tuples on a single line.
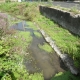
[(40, 61)]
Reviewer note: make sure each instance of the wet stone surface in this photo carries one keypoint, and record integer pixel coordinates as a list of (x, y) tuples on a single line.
[(39, 60)]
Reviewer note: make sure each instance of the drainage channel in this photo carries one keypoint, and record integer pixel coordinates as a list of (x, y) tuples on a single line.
[(40, 61)]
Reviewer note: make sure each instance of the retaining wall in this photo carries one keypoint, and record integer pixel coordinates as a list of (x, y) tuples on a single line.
[(64, 18)]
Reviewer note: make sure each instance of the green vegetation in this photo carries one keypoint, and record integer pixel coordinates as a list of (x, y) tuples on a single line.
[(31, 25), (12, 51), (74, 10), (66, 42), (7, 1), (12, 20), (46, 47), (64, 76), (11, 48)]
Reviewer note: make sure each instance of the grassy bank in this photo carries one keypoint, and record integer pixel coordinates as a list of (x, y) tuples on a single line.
[(67, 42), (13, 49)]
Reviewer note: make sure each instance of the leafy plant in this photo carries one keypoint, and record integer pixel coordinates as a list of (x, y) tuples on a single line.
[(1, 33), (65, 76), (67, 42)]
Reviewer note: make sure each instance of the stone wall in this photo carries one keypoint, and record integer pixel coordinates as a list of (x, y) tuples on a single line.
[(64, 18)]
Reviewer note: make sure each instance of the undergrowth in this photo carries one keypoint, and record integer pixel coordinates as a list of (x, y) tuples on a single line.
[(21, 10), (37, 34), (13, 48), (66, 42), (64, 76)]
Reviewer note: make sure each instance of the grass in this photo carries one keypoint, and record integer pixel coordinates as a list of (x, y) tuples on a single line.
[(66, 42), (74, 10), (13, 49), (31, 25), (11, 64), (25, 38), (46, 47)]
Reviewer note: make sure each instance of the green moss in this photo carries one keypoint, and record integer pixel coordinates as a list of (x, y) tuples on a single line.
[(46, 47), (65, 76)]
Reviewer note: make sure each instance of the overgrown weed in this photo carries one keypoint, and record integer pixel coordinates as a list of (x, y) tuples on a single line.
[(66, 41)]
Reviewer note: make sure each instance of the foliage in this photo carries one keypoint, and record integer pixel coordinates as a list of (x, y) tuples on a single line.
[(75, 10), (65, 76), (12, 20), (12, 8), (11, 50), (31, 25), (67, 42), (22, 9)]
